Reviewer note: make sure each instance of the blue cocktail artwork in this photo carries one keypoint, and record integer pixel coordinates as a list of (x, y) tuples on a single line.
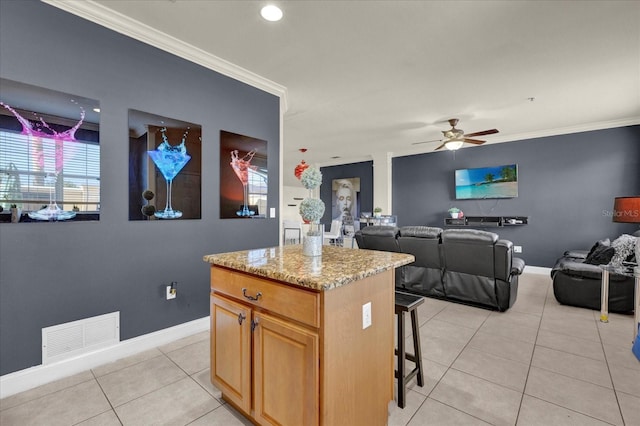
[(170, 160)]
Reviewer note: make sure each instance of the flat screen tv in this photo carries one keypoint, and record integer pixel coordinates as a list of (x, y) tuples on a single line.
[(487, 182)]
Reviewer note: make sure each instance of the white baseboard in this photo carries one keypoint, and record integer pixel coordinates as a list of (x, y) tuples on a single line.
[(537, 270), (29, 378)]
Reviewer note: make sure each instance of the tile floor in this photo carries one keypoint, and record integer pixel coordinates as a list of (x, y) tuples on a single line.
[(540, 363)]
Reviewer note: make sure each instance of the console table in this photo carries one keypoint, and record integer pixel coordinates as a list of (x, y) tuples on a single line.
[(487, 221)]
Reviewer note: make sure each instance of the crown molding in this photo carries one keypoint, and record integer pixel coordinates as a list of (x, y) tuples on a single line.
[(589, 127), (123, 24), (343, 160)]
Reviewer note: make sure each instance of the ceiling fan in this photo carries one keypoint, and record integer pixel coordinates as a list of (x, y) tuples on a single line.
[(455, 138)]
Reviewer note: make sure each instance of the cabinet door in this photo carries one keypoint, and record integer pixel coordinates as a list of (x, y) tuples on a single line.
[(231, 350), (286, 373)]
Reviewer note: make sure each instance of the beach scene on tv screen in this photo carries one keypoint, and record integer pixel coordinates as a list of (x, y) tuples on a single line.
[(487, 182)]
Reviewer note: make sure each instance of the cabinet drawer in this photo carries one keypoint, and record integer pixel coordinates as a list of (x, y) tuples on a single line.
[(290, 302)]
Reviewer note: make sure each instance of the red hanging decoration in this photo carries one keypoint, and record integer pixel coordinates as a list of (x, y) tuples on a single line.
[(302, 166)]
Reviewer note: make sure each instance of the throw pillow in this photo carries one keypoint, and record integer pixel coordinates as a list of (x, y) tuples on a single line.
[(606, 242), (624, 246), (601, 254)]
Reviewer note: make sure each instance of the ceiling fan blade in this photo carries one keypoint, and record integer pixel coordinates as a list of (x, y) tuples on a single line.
[(484, 132), (440, 147), (420, 143), (474, 141)]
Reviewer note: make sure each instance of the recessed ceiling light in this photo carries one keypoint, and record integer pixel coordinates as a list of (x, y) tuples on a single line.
[(271, 13)]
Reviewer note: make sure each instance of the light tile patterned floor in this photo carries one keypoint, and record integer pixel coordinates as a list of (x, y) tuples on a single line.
[(540, 363)]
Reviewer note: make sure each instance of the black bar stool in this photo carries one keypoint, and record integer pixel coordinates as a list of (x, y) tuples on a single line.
[(406, 302)]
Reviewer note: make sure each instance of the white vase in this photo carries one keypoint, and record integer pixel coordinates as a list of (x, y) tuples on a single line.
[(313, 239), (455, 215), (312, 245)]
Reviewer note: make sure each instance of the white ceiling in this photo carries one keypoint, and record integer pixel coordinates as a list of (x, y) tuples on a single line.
[(365, 77)]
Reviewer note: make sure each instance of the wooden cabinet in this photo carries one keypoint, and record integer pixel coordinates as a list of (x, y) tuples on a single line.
[(231, 350), (285, 372), (284, 355)]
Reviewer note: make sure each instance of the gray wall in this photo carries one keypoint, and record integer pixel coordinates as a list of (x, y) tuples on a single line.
[(567, 185), (51, 273)]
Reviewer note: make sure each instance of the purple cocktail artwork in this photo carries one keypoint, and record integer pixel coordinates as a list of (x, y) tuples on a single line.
[(242, 166), (170, 160), (38, 130)]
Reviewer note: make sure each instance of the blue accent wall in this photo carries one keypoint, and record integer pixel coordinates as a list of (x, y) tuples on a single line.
[(567, 184), (52, 273)]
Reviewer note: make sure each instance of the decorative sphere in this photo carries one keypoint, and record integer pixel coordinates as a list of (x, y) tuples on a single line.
[(300, 168), (149, 209), (148, 195)]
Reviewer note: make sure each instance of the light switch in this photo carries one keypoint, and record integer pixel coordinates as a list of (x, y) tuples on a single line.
[(272, 212), (366, 315)]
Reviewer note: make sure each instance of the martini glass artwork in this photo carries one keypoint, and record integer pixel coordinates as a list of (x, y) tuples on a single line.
[(241, 166), (52, 211), (169, 160), (40, 130)]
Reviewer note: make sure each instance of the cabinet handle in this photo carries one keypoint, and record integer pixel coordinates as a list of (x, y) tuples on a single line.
[(254, 324), (244, 293), (241, 318)]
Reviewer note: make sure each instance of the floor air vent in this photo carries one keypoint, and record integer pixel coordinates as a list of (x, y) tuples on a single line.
[(75, 338)]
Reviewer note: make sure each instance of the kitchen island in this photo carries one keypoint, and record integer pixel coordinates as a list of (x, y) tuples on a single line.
[(299, 340)]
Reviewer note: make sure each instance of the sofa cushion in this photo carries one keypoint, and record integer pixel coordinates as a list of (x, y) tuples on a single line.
[(579, 269), (420, 231), (469, 236), (380, 231), (577, 254)]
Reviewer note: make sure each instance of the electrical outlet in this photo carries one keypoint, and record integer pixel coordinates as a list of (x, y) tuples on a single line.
[(517, 249), (366, 315), (171, 293)]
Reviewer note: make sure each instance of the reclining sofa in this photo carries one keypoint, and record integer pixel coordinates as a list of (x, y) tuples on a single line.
[(577, 282), (468, 266)]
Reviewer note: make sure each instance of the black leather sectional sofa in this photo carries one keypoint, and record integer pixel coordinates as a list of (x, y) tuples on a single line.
[(465, 265)]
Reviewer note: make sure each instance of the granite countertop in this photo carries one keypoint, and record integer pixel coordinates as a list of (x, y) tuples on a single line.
[(336, 267)]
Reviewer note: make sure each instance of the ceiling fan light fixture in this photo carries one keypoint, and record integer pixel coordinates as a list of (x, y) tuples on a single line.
[(271, 13), (454, 144)]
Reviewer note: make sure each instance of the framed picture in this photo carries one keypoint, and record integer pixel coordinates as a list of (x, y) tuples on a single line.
[(165, 167), (49, 154), (345, 204), (243, 177)]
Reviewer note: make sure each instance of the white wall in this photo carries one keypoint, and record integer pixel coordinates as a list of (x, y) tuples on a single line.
[(290, 212)]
